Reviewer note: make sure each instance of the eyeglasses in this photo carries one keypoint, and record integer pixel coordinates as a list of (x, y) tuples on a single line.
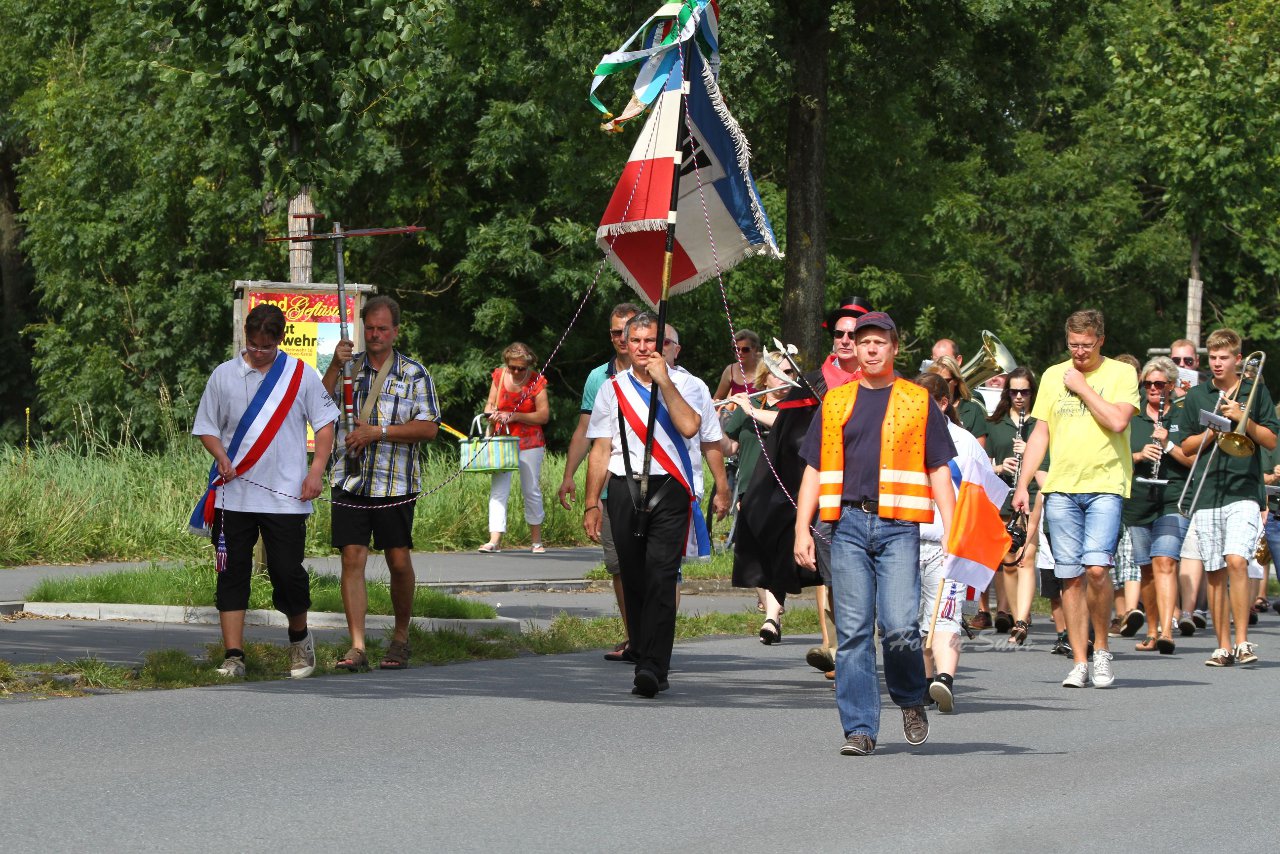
[(1183, 360), (617, 333), (253, 349), (1156, 384), (1019, 392), (745, 350), (842, 333), (517, 369), (670, 342), (1082, 347)]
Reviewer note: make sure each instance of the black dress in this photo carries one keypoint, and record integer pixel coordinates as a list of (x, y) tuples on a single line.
[(764, 540)]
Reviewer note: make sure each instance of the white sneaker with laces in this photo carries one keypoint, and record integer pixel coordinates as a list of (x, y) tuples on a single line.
[(1102, 675), (1245, 653), (1078, 677), (302, 657), (231, 668)]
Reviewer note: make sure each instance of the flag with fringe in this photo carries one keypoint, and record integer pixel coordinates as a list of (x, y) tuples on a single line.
[(720, 218)]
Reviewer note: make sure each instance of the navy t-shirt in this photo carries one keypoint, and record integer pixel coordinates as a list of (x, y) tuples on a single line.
[(862, 443)]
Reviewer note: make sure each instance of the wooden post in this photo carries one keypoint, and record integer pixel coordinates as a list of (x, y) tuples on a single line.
[(1195, 293), (301, 252)]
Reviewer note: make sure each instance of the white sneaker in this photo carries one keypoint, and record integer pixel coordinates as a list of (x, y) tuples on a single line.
[(231, 668), (1102, 675), (1078, 677), (302, 657), (1245, 653)]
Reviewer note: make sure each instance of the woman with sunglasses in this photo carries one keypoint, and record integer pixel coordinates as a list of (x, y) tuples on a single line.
[(737, 376), (518, 406), (1007, 430), (1156, 528)]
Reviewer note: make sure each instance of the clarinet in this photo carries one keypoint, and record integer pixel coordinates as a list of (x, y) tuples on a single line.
[(1017, 525), (1156, 483), (1017, 458)]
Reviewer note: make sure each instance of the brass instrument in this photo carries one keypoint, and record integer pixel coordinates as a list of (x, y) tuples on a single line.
[(1237, 443), (995, 359), (1233, 442)]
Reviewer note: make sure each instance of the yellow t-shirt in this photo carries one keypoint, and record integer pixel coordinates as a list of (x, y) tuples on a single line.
[(1086, 457)]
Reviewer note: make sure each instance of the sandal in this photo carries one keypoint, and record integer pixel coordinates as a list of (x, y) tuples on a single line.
[(355, 661), (1018, 634), (538, 549), (489, 549), (621, 652), (1164, 646), (1261, 605), (397, 656), (769, 636), (1147, 645)]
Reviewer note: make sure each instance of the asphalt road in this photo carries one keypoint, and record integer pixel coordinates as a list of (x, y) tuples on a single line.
[(555, 754)]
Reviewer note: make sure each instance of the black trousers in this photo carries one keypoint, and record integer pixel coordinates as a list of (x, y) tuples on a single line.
[(649, 565), (284, 537)]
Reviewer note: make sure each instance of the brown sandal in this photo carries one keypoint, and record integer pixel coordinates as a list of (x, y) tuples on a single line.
[(1147, 645), (1018, 634), (397, 656), (355, 660)]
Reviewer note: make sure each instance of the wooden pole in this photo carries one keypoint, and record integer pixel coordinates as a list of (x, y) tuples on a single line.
[(1195, 293)]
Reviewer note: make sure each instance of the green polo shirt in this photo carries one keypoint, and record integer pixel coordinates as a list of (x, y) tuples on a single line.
[(1146, 503), (973, 417), (1229, 479)]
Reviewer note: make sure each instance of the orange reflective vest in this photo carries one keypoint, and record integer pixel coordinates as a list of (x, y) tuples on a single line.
[(904, 483)]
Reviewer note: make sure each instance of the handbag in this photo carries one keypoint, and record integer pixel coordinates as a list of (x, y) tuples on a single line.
[(483, 452)]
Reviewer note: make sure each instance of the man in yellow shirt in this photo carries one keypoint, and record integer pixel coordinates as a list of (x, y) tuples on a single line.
[(1082, 414)]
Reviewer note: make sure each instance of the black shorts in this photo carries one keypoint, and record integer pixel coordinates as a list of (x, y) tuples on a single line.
[(284, 538), (390, 526), (1050, 584)]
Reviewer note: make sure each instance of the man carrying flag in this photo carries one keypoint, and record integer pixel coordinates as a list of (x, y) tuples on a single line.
[(975, 545), (650, 537), (252, 420)]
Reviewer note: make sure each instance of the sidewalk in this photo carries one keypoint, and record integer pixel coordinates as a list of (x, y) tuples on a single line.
[(559, 569)]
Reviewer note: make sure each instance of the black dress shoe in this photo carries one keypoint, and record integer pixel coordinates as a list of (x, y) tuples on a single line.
[(621, 652), (647, 684)]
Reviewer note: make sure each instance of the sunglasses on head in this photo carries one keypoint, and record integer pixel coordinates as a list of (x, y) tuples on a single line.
[(1188, 361)]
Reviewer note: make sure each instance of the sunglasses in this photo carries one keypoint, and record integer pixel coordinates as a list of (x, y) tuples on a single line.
[(1157, 384), (746, 350), (516, 369), (617, 333), (1019, 392), (1184, 360)]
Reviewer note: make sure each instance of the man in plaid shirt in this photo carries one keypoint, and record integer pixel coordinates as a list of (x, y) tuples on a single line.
[(375, 475)]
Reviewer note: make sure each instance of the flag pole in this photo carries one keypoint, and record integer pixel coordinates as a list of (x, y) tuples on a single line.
[(682, 136)]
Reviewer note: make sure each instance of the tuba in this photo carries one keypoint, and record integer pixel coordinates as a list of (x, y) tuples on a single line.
[(994, 359)]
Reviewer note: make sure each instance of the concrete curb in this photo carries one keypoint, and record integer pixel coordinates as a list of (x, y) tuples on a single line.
[(508, 586), (207, 616)]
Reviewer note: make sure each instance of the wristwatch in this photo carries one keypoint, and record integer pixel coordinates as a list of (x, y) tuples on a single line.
[(384, 432)]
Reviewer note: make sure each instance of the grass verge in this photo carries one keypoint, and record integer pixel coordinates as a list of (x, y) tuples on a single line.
[(719, 567), (167, 669), (192, 585)]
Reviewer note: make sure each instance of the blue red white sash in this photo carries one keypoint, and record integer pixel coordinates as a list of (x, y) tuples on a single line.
[(257, 429), (670, 451)]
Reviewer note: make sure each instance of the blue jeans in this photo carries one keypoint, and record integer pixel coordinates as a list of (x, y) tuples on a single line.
[(1272, 532), (875, 578), (1083, 529)]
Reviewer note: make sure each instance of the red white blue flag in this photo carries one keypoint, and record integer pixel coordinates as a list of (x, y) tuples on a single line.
[(719, 217)]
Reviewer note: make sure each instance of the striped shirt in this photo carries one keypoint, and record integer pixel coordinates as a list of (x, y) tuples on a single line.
[(387, 469)]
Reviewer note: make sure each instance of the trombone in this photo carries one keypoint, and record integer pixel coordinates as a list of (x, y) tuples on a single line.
[(1232, 440)]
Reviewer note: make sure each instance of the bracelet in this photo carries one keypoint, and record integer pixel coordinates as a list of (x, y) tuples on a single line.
[(592, 507), (384, 432)]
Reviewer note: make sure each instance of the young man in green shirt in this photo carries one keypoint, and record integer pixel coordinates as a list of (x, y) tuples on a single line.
[(1226, 490)]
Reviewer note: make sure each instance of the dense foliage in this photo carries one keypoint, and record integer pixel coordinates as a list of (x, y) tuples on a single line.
[(990, 164)]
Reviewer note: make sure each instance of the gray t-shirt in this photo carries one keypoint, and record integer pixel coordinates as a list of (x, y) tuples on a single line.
[(283, 465)]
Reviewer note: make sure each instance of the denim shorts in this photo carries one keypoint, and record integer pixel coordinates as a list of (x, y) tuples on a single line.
[(1083, 530), (1162, 538)]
